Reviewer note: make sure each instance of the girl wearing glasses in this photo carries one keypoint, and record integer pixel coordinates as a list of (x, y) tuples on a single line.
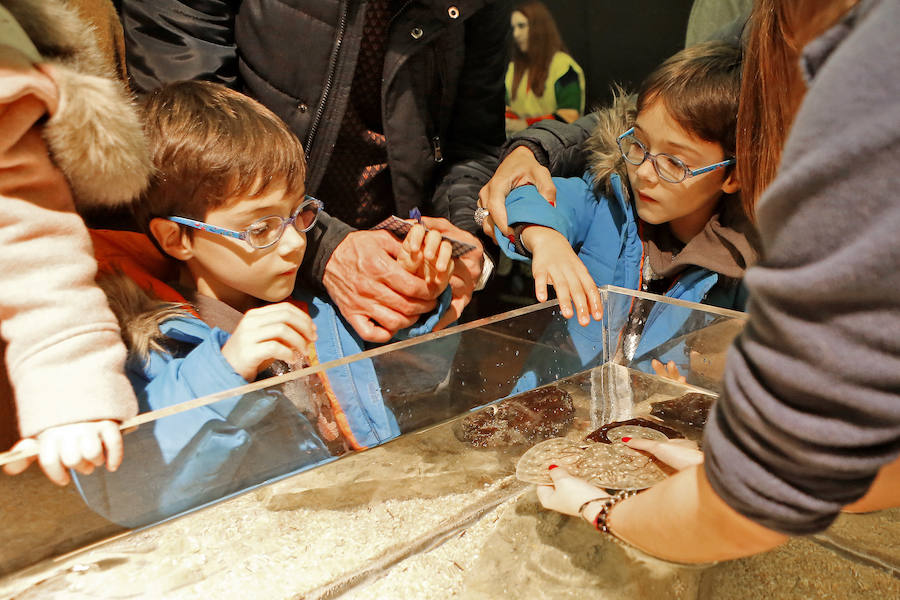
[(658, 209)]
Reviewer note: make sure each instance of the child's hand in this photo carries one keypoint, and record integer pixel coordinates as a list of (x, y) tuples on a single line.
[(669, 370), (275, 332), (427, 255), (78, 446), (556, 263)]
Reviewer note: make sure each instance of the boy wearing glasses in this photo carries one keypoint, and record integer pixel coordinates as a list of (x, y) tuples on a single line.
[(658, 209), (228, 204)]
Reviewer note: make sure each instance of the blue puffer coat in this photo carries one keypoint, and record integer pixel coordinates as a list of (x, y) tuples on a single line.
[(604, 232), (191, 458)]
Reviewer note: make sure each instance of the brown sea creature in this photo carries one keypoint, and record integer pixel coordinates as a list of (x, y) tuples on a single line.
[(524, 419), (690, 409)]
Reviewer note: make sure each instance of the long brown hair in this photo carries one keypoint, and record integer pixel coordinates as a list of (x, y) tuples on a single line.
[(772, 86), (543, 42)]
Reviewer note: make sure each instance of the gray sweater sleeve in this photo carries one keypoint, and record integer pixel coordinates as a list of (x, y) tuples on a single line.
[(812, 403)]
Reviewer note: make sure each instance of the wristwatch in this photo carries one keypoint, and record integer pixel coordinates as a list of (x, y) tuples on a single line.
[(487, 267)]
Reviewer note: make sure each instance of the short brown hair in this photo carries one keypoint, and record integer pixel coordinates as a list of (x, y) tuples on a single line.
[(700, 87), (210, 144)]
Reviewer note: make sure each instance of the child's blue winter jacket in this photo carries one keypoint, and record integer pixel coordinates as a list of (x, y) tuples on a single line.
[(184, 460), (605, 233)]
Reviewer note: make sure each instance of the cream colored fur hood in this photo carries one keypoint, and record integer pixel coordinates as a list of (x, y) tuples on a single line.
[(603, 156), (95, 135)]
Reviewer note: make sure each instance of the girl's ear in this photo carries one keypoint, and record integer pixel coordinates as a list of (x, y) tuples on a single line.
[(731, 185), (171, 238)]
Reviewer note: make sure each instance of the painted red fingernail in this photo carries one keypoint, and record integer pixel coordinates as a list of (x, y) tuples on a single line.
[(511, 238), (551, 467), (553, 203), (626, 439)]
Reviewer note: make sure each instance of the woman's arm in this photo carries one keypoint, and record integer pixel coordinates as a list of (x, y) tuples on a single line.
[(884, 493), (681, 519)]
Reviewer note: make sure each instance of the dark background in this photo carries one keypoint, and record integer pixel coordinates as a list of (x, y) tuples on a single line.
[(619, 41)]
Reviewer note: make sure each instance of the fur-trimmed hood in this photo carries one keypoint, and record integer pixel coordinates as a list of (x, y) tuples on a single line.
[(603, 156), (95, 135)]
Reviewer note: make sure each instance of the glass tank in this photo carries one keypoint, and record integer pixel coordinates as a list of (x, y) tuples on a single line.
[(337, 472)]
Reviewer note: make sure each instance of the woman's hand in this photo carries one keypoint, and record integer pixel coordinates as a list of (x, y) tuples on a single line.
[(568, 494), (678, 454), (556, 263), (79, 446), (520, 167)]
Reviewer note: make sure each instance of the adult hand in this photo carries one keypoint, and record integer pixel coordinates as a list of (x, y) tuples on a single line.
[(556, 263), (678, 454), (466, 269), (79, 446), (274, 332), (374, 293), (520, 167), (567, 494)]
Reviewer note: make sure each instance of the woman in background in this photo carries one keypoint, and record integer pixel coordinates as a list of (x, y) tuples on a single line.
[(542, 81)]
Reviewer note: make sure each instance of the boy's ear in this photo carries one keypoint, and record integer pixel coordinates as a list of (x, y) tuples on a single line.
[(171, 238), (731, 185)]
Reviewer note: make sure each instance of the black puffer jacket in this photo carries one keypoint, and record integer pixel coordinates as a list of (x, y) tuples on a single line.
[(442, 91)]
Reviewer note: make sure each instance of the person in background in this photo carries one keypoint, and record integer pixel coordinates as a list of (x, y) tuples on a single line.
[(553, 147), (398, 105), (64, 356), (809, 421), (717, 20), (542, 81)]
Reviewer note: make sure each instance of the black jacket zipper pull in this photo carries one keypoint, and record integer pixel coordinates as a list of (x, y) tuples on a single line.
[(438, 154)]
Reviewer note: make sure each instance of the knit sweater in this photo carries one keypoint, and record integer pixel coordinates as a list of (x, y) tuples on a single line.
[(812, 403), (64, 353)]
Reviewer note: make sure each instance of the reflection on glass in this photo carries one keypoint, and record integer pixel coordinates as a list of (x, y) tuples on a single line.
[(488, 391)]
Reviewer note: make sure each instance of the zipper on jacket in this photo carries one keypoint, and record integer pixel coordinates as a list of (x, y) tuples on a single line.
[(438, 153), (332, 67)]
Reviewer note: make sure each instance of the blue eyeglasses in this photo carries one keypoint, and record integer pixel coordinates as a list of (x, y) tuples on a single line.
[(266, 231), (668, 167)]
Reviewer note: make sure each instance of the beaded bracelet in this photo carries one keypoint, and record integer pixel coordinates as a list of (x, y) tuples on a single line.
[(583, 506), (600, 522), (608, 503)]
